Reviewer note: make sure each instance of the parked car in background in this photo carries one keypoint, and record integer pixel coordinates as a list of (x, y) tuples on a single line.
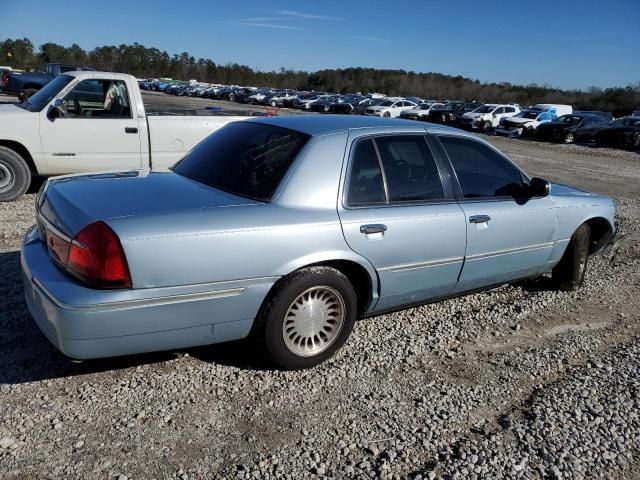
[(280, 98), (347, 104), (324, 104), (487, 117), (304, 102), (360, 107), (87, 122), (621, 133), (25, 84), (450, 112), (389, 108), (571, 128), (526, 122), (277, 245), (420, 111)]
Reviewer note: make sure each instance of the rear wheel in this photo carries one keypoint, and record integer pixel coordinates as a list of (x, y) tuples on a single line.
[(15, 175), (569, 273), (569, 137), (307, 318), (386, 114)]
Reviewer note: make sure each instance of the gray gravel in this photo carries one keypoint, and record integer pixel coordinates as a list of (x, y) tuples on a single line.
[(519, 382)]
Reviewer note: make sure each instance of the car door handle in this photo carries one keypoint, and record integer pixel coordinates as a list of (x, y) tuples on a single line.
[(479, 218), (375, 228), (130, 130)]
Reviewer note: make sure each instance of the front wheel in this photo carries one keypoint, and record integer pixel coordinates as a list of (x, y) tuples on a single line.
[(569, 137), (486, 126), (569, 273), (307, 317), (386, 114), (15, 175)]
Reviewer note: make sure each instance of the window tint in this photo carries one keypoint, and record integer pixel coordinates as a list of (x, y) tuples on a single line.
[(244, 158), (509, 109), (366, 186), (410, 169), (481, 171), (99, 99)]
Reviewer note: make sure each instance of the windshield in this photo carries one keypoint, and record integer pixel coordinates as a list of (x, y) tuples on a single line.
[(244, 158), (484, 109), (42, 97), (532, 114), (570, 119)]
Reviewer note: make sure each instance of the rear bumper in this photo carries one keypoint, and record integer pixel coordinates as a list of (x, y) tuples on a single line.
[(84, 323)]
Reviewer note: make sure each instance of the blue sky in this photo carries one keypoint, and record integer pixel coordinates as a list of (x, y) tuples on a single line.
[(562, 43)]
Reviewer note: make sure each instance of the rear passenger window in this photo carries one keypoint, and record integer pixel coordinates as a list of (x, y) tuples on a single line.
[(366, 186), (481, 171), (410, 169)]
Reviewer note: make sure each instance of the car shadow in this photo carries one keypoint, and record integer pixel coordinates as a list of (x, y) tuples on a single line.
[(28, 356)]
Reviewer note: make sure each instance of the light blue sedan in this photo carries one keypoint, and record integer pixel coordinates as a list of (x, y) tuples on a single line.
[(288, 229)]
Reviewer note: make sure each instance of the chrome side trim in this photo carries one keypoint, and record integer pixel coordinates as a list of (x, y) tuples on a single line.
[(508, 251), (419, 265), (142, 302)]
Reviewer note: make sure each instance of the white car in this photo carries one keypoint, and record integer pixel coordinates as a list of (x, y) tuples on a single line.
[(488, 116), (390, 108), (420, 112)]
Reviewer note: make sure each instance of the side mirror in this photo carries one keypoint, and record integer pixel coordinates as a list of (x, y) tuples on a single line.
[(539, 187), (58, 109)]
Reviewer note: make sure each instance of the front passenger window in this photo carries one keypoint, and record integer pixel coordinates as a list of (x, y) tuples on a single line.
[(99, 99)]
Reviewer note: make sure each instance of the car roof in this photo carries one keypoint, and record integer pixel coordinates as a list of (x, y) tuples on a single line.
[(321, 124)]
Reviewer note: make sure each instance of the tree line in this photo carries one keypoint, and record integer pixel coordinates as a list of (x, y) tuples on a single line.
[(146, 62)]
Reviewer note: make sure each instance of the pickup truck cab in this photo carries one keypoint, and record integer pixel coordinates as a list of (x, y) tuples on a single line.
[(85, 121)]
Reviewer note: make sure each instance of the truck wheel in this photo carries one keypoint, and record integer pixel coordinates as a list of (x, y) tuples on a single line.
[(569, 273), (15, 175), (306, 318)]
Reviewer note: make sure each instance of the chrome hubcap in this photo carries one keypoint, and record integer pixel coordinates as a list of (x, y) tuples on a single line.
[(313, 321), (6, 178)]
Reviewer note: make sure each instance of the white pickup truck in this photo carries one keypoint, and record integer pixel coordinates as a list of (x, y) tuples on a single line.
[(90, 121)]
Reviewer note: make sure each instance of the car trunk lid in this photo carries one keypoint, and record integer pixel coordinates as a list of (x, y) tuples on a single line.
[(72, 202)]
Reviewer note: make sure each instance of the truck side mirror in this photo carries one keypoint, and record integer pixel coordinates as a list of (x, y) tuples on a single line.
[(58, 109), (539, 187)]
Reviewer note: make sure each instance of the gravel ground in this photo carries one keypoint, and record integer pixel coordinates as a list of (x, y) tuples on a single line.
[(519, 382)]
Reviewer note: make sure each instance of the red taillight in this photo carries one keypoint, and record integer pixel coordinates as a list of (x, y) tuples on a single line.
[(96, 257)]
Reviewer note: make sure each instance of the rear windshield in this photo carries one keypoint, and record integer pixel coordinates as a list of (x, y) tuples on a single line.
[(244, 158)]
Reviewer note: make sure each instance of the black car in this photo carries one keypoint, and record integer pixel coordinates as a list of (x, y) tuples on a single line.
[(347, 104), (451, 112), (324, 104), (621, 133), (575, 127)]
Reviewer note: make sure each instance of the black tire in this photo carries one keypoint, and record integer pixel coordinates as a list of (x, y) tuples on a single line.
[(486, 126), (268, 330), (386, 114), (569, 273), (15, 175)]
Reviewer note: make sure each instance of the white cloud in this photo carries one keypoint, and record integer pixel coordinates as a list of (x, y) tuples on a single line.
[(308, 16), (268, 25)]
